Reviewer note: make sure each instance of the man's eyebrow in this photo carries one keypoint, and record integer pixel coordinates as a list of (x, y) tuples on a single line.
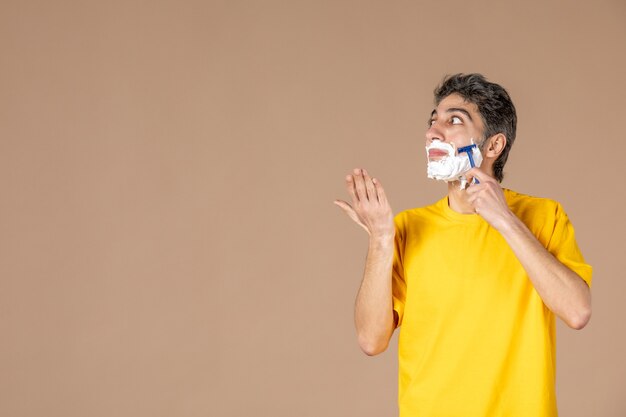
[(452, 110), (465, 112)]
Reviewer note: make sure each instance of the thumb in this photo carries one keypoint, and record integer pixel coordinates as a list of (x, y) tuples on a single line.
[(344, 206), (350, 212)]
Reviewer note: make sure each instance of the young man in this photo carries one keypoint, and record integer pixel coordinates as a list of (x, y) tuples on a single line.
[(474, 280)]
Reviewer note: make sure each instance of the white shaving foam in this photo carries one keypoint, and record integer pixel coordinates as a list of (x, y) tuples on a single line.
[(453, 166)]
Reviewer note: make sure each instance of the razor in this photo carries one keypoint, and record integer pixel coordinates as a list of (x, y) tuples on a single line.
[(468, 151)]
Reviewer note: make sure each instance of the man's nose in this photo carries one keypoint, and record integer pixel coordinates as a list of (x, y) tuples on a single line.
[(433, 133)]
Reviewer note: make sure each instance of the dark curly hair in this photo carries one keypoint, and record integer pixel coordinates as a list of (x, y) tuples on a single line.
[(494, 105)]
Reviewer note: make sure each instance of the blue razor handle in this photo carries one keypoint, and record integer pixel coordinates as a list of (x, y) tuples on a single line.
[(468, 150)]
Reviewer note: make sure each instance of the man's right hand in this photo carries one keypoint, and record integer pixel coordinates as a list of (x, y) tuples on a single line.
[(370, 208)]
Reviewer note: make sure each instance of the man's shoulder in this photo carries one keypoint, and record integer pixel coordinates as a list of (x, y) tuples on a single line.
[(420, 212), (420, 216), (529, 202), (529, 207)]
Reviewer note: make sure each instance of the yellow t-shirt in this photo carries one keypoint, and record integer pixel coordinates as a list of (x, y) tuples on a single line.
[(476, 340)]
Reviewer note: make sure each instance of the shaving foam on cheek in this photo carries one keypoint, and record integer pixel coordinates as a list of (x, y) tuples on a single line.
[(452, 166)]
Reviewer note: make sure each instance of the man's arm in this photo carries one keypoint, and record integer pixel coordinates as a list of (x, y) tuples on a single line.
[(562, 290), (373, 310)]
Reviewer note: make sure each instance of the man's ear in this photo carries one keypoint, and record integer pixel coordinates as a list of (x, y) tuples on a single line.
[(495, 146)]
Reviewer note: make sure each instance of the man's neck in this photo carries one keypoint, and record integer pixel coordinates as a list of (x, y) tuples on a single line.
[(457, 199)]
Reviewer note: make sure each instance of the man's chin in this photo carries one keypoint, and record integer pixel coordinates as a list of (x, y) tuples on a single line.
[(455, 183)]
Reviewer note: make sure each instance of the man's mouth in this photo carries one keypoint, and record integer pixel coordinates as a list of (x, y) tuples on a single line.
[(437, 153)]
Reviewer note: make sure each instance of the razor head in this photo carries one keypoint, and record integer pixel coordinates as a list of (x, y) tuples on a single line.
[(467, 148)]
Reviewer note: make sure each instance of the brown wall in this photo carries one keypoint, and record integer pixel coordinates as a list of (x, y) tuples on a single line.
[(169, 246)]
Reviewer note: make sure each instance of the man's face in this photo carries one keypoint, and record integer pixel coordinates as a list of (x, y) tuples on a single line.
[(456, 122)]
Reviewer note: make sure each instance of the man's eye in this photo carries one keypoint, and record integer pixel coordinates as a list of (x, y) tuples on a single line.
[(430, 122), (456, 120)]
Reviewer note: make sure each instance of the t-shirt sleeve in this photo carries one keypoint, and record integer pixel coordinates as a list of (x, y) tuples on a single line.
[(563, 246), (398, 283)]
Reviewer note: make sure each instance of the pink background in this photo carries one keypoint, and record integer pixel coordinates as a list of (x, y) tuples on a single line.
[(169, 246)]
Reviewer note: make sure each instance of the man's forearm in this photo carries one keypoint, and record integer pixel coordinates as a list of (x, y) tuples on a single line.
[(561, 289), (373, 311)]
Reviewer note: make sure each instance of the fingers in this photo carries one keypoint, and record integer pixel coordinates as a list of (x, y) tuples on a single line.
[(382, 197), (359, 184), (476, 172), (473, 188), (363, 188), (369, 208), (351, 188), (369, 187)]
